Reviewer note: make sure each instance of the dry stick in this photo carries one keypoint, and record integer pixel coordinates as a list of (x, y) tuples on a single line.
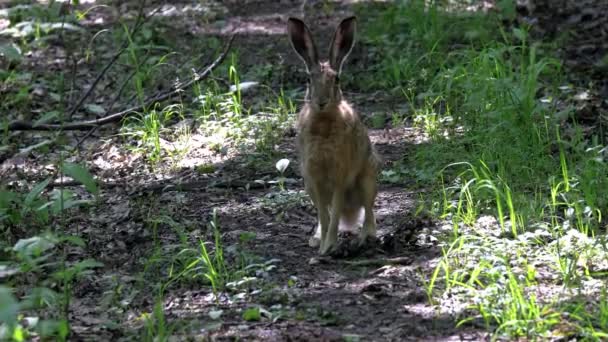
[(231, 183), (234, 183), (381, 261), (88, 124), (161, 188), (67, 183)]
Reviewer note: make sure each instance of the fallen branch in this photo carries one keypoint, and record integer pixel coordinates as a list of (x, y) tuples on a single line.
[(101, 184), (88, 124), (234, 183), (203, 185), (380, 261)]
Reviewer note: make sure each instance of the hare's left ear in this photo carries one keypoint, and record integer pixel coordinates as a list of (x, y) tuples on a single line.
[(342, 44)]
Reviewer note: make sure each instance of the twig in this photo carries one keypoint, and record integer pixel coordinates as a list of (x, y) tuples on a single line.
[(233, 183), (63, 184), (88, 124), (380, 261)]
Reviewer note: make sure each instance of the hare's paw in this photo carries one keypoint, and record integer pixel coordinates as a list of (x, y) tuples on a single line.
[(367, 242), (366, 238), (328, 247)]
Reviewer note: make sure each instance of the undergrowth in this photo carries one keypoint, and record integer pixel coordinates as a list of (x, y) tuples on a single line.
[(515, 178)]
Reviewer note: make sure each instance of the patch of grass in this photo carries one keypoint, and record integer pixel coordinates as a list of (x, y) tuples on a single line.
[(156, 327), (223, 118), (148, 128), (515, 184), (218, 114), (211, 263), (225, 269)]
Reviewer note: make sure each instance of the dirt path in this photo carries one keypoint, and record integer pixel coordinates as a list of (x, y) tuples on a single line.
[(328, 299), (331, 299)]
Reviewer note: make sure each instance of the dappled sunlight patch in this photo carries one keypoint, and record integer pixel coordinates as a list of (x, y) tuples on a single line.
[(250, 25), (209, 8), (421, 310), (110, 157)]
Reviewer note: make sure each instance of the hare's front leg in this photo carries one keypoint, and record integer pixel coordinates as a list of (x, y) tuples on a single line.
[(321, 202), (330, 241), (315, 240), (368, 188)]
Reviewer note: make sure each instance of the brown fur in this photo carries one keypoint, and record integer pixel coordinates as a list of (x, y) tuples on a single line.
[(338, 161)]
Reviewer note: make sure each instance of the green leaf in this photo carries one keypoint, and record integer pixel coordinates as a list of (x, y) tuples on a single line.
[(82, 175), (7, 197), (40, 295), (95, 109), (507, 9), (64, 199), (246, 237), (35, 192), (9, 307), (215, 314), (47, 117), (33, 246), (75, 240), (252, 314), (519, 34), (86, 264), (11, 52)]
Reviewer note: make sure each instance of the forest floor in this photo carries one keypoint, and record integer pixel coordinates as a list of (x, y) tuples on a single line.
[(146, 236)]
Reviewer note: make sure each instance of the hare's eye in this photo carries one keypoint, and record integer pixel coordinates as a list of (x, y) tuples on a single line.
[(337, 79)]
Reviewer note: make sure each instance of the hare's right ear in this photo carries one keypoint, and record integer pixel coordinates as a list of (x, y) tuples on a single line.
[(301, 40)]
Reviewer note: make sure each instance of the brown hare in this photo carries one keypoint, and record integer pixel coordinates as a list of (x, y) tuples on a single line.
[(339, 164)]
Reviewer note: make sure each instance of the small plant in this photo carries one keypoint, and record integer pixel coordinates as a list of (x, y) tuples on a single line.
[(156, 327), (40, 258), (281, 167), (236, 95), (219, 266), (148, 128)]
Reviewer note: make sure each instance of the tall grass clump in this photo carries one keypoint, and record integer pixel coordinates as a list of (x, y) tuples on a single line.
[(513, 175)]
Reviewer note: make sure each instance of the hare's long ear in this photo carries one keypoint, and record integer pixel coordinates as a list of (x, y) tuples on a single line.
[(343, 42), (302, 42)]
